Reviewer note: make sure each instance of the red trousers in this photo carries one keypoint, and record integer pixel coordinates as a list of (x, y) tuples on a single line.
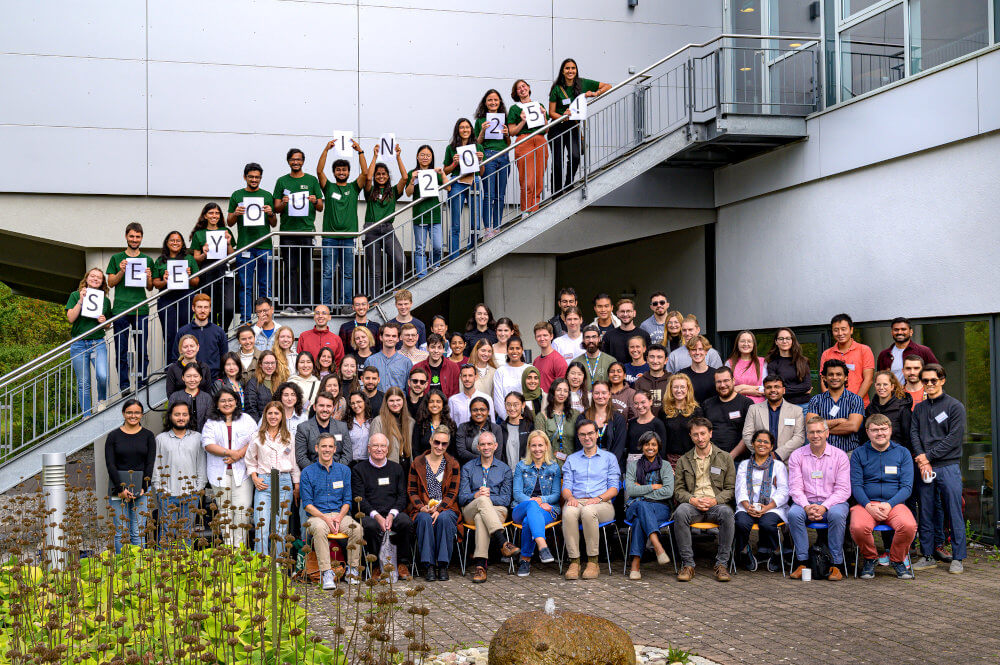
[(900, 519)]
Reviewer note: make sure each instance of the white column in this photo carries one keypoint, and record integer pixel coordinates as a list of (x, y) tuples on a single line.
[(522, 287)]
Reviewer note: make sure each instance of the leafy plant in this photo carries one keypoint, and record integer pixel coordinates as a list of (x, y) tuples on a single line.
[(678, 655)]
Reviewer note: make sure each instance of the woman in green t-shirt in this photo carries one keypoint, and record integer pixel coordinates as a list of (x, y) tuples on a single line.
[(223, 299), (565, 137), (494, 173), (427, 213), (381, 246), (531, 153), (468, 188), (90, 349), (173, 306)]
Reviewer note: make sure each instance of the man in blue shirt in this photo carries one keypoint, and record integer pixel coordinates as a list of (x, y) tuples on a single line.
[(842, 410), (393, 367), (325, 491), (591, 478), (484, 493), (881, 481)]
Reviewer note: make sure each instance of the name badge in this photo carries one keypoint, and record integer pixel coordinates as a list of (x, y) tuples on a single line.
[(335, 196), (383, 481), (561, 456), (941, 417), (288, 450), (715, 470), (891, 470), (338, 437), (245, 255), (338, 484), (566, 101), (734, 415), (816, 474), (790, 422), (850, 367), (834, 410)]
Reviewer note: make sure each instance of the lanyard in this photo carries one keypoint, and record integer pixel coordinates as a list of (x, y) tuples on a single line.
[(486, 471), (592, 369)]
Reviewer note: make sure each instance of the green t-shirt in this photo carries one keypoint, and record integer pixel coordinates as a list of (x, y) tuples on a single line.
[(199, 239), (160, 266), (377, 211), (246, 235), (489, 144), (307, 183), (85, 323), (126, 296), (563, 97), (514, 118), (340, 212), (449, 154), (427, 211)]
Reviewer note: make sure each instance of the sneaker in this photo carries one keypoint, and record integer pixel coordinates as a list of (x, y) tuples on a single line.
[(884, 559), (329, 580), (524, 568), (924, 562), (353, 576), (442, 573), (902, 572), (797, 573), (721, 572), (956, 567), (942, 555), (545, 556), (868, 569), (507, 550), (103, 405), (289, 311), (774, 563), (751, 563), (685, 574), (305, 310), (634, 575), (402, 572), (479, 575)]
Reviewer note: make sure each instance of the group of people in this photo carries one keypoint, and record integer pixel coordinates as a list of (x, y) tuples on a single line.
[(435, 436)]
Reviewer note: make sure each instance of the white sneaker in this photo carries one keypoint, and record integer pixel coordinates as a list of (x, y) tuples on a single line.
[(329, 580), (289, 311), (353, 576), (100, 406), (956, 567)]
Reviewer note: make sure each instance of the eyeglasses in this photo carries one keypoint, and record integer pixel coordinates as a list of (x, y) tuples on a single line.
[(659, 302), (418, 382), (588, 435), (930, 382), (782, 339)]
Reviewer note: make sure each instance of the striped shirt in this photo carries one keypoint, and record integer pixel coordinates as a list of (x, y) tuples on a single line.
[(824, 406)]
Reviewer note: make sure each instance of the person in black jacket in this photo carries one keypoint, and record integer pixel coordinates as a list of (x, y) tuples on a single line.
[(188, 347), (786, 360), (381, 485), (130, 455), (514, 430), (262, 385), (612, 428), (194, 395), (467, 439), (892, 401)]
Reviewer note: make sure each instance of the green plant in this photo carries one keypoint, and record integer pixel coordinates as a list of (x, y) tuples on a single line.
[(678, 655)]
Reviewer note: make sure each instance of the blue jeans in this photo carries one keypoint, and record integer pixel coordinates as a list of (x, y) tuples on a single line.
[(646, 518), (836, 519), (341, 255), (122, 328), (494, 188), (420, 234), (261, 518), (128, 517), (174, 312), (436, 541), (82, 353), (255, 268), (532, 519), (459, 194), (176, 518), (948, 486)]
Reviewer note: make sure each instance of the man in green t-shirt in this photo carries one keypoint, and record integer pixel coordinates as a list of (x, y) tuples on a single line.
[(253, 264), (126, 297), (340, 214), (297, 198)]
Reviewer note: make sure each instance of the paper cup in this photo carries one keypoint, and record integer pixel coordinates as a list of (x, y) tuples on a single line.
[(807, 574)]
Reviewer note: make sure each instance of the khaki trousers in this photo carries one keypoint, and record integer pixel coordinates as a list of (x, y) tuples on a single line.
[(487, 518), (590, 516), (320, 531)]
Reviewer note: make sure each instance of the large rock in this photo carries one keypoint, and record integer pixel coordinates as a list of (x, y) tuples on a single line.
[(560, 638)]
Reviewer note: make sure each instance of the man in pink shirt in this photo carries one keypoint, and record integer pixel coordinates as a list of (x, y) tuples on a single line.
[(549, 363), (320, 336), (819, 482)]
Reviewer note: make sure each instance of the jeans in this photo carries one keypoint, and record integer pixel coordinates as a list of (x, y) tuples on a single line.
[(436, 541), (176, 518), (255, 268), (494, 188), (768, 526), (566, 152), (836, 520), (646, 518), (82, 353), (686, 515), (384, 259), (174, 313), (532, 519), (262, 513), (420, 235), (948, 485), (296, 253), (122, 328), (459, 194), (338, 252), (129, 517)]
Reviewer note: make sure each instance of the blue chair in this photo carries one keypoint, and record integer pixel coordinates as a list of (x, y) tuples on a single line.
[(555, 539), (857, 550), (670, 536), (817, 526)]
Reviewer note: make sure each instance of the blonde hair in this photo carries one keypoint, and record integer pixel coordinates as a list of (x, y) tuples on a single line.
[(279, 353), (538, 434), (181, 339), (693, 342), (284, 435), (897, 388), (393, 429), (669, 408), (474, 357), (277, 378), (368, 334)]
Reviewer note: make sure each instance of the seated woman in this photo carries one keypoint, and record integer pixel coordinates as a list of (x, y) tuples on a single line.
[(433, 505), (761, 499), (537, 484), (649, 484)]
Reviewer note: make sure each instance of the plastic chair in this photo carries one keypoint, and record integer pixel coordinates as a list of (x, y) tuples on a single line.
[(343, 536), (464, 556), (857, 550), (603, 528), (628, 542), (817, 526), (555, 539), (781, 551)]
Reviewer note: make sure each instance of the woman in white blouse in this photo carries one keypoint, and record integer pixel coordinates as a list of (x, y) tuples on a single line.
[(761, 499), (305, 378), (272, 449)]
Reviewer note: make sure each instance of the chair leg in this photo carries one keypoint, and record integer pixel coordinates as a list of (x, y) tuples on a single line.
[(510, 566), (781, 552), (673, 552), (628, 546), (618, 535), (463, 558), (607, 550), (555, 543)]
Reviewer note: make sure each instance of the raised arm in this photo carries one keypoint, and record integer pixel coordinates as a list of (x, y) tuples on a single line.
[(321, 164), (403, 176), (363, 176)]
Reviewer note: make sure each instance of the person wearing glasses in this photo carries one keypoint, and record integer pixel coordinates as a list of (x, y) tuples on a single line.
[(484, 494), (433, 492)]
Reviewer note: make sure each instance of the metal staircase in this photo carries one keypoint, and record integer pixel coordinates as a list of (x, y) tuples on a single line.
[(702, 106)]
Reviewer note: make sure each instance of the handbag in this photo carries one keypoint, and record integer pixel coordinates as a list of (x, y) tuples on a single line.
[(821, 561), (387, 557)]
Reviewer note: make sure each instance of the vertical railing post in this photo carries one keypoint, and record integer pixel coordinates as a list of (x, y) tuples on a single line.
[(582, 127), (718, 83), (689, 96)]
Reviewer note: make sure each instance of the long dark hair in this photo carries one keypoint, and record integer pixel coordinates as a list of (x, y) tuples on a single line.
[(165, 251), (229, 355), (377, 192), (799, 361), (561, 80), (491, 323), (567, 405), (349, 416), (276, 395), (424, 413), (456, 140), (215, 414), (416, 164), (202, 222), (481, 109)]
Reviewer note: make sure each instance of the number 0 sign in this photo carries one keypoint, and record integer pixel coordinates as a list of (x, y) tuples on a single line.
[(468, 160), (427, 181)]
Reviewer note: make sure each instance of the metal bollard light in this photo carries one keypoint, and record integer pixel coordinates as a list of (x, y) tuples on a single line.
[(54, 487)]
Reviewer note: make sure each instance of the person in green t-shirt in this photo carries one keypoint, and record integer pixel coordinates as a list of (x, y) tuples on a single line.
[(565, 137), (90, 349), (173, 306), (254, 264), (530, 152), (296, 193), (340, 214), (495, 173), (468, 188), (382, 248), (213, 280), (126, 297), (426, 213)]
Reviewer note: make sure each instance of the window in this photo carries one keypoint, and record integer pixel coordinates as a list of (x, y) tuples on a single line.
[(943, 31), (872, 53)]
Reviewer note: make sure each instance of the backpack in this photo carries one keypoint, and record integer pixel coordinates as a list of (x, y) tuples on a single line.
[(821, 561)]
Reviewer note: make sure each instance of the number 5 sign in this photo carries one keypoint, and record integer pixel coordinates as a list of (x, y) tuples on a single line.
[(533, 115)]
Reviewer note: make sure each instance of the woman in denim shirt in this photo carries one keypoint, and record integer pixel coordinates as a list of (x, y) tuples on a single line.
[(649, 484), (537, 483)]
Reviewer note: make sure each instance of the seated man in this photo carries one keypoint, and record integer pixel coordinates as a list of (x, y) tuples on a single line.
[(705, 483), (591, 478), (819, 482), (381, 484), (325, 490), (484, 493), (882, 480)]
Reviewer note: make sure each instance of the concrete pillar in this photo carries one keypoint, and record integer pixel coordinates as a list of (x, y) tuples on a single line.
[(522, 287)]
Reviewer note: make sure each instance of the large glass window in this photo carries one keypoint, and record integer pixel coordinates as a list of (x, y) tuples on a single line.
[(849, 7), (943, 31), (872, 53)]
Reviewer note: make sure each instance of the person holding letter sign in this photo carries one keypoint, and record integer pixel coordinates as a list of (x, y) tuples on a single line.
[(250, 210), (211, 241), (340, 214), (468, 186), (530, 153), (298, 197), (566, 140), (492, 133), (427, 213), (120, 270), (86, 310), (382, 249), (174, 305)]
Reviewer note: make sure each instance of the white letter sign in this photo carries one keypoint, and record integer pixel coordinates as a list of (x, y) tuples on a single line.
[(578, 109), (253, 211), (468, 160), (216, 241), (298, 204), (494, 126), (177, 275), (135, 272), (93, 303), (342, 143), (427, 181), (533, 115), (387, 146)]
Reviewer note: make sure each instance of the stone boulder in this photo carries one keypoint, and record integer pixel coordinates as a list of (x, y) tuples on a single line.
[(560, 638)]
